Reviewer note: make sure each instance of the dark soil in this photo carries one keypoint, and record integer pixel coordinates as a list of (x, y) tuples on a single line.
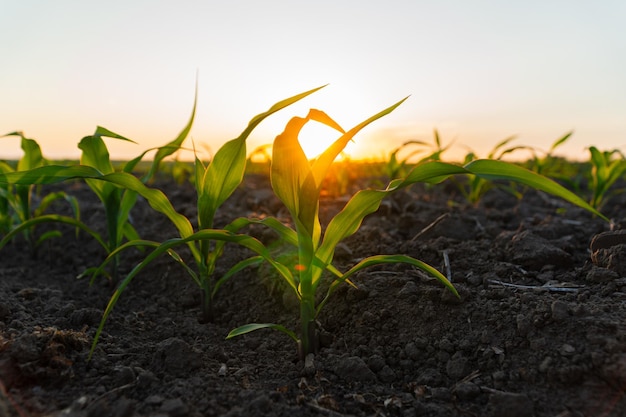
[(539, 329)]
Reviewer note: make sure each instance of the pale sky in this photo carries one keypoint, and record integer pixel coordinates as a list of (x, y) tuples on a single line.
[(478, 71)]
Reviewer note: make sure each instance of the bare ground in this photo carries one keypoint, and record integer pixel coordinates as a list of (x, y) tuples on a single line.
[(539, 329)]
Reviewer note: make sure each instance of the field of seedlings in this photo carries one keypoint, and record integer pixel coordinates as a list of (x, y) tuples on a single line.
[(414, 286)]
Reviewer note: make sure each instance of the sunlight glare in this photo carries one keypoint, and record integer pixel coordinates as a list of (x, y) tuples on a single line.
[(316, 137)]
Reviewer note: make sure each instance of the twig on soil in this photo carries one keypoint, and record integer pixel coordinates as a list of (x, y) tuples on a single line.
[(114, 390), (430, 226), (561, 287)]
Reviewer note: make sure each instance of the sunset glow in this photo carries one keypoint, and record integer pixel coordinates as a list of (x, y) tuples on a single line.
[(476, 72)]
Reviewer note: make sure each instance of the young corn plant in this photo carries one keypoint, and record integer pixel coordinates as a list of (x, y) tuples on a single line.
[(606, 168), (214, 184), (397, 167), (548, 164), (475, 187), (18, 211), (297, 181), (117, 200)]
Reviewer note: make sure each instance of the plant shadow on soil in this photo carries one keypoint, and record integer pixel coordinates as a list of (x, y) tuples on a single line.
[(538, 330)]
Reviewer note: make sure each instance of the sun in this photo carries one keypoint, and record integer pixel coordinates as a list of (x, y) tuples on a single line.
[(315, 138)]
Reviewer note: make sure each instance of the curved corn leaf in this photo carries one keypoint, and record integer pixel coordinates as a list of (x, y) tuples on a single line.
[(173, 146), (226, 170), (46, 236), (247, 328), (386, 259), (365, 202), (52, 174), (289, 172), (500, 170), (296, 181), (246, 263), (320, 165), (53, 218)]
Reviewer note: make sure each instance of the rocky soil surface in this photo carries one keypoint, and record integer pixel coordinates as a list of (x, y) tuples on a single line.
[(539, 328)]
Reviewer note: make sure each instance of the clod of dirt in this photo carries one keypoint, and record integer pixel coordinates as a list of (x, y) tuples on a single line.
[(599, 275), (175, 357), (532, 251), (351, 368)]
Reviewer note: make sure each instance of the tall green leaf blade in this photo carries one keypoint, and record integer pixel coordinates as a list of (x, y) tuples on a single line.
[(275, 108), (52, 218), (247, 328), (500, 170), (365, 202), (95, 154), (289, 172), (52, 174), (560, 141), (321, 164), (33, 157), (386, 259), (221, 179), (104, 132), (226, 170), (174, 145)]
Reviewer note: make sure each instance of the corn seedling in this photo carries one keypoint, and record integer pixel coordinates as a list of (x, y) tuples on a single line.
[(397, 167), (547, 164), (476, 186), (214, 184), (297, 182), (606, 168), (117, 200), (19, 211)]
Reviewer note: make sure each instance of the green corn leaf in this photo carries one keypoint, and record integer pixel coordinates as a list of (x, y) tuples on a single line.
[(95, 154), (129, 232), (4, 167), (226, 170), (296, 181), (365, 202), (386, 259), (32, 155), (128, 200), (50, 198), (492, 154), (52, 218), (111, 256), (277, 107), (321, 164), (292, 180), (560, 141), (500, 170), (52, 174), (51, 234), (257, 326), (223, 176), (174, 145), (104, 132), (430, 172), (241, 265)]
